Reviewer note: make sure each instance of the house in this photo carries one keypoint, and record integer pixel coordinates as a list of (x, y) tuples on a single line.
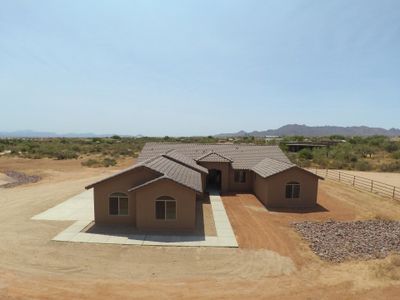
[(161, 190)]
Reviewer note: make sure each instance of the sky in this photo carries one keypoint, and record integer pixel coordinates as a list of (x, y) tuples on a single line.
[(197, 67)]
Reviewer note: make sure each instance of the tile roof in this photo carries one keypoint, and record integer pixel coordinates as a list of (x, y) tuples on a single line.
[(268, 167), (176, 172), (189, 162), (166, 168), (243, 156), (213, 157), (177, 162)]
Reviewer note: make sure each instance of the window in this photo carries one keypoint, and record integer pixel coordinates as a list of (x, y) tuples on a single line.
[(292, 190), (165, 208), (118, 204), (240, 176)]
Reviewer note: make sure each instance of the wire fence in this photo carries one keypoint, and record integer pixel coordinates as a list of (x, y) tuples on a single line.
[(361, 183)]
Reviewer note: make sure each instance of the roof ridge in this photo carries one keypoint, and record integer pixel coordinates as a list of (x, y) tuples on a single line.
[(182, 163), (213, 152)]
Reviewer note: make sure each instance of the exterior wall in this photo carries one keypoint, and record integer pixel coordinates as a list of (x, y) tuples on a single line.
[(271, 191), (244, 187), (260, 188), (225, 169), (185, 206), (121, 183)]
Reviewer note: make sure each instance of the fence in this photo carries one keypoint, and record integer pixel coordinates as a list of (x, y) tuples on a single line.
[(361, 183)]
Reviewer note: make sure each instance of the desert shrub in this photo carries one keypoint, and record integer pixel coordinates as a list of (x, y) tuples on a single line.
[(365, 150), (305, 154), (66, 155), (389, 268), (391, 147), (391, 167), (305, 163), (108, 162), (76, 148), (320, 157), (396, 155), (363, 165), (337, 164), (90, 163)]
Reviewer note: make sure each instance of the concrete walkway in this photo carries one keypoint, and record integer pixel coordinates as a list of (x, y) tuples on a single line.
[(80, 208)]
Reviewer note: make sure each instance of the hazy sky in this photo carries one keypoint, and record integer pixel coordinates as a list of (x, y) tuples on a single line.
[(197, 67)]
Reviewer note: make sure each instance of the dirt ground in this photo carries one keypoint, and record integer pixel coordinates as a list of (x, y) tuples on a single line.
[(272, 261)]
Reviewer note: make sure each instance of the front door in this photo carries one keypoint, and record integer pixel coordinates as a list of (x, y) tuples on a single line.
[(214, 179)]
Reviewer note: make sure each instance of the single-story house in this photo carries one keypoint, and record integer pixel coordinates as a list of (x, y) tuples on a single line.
[(161, 190)]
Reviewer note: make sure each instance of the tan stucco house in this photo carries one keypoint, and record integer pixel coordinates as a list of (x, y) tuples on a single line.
[(161, 190)]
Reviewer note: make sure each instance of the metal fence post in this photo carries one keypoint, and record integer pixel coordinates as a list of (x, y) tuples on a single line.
[(394, 192), (354, 180), (372, 185), (339, 176)]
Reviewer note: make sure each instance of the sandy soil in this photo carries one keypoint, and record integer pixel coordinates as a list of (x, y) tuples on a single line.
[(385, 177), (272, 261), (4, 179)]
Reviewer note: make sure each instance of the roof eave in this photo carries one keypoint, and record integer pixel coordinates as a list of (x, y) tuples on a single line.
[(164, 177)]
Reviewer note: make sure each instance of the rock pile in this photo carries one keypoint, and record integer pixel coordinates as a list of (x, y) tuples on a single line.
[(339, 241), (20, 178)]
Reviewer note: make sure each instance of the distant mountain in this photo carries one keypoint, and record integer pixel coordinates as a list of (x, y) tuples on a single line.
[(44, 134), (304, 130)]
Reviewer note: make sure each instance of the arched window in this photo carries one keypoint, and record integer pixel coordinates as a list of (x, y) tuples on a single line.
[(165, 208), (118, 204), (292, 190)]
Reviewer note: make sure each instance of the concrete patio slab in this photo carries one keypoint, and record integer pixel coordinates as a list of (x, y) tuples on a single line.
[(80, 209)]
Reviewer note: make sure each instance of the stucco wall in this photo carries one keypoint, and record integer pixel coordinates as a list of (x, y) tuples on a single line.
[(260, 189), (241, 187), (121, 183), (272, 191), (185, 206)]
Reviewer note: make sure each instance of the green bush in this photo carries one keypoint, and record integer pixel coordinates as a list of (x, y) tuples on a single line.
[(396, 155), (305, 154), (66, 155), (90, 163), (390, 167), (108, 162), (391, 147), (363, 165)]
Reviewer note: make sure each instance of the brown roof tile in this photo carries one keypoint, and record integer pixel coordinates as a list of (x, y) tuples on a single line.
[(243, 156), (213, 157)]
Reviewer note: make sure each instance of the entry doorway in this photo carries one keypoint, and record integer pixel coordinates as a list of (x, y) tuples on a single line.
[(214, 179)]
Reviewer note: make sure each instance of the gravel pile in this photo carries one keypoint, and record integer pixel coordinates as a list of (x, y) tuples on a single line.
[(20, 178), (339, 241)]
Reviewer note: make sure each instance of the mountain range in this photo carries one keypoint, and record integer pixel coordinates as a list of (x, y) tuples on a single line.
[(45, 134), (287, 130), (315, 131)]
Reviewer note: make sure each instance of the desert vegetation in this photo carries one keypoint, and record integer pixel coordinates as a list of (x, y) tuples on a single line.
[(94, 152), (378, 153)]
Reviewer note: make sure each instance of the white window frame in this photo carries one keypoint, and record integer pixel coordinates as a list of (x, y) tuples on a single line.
[(292, 185), (118, 195), (165, 209)]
